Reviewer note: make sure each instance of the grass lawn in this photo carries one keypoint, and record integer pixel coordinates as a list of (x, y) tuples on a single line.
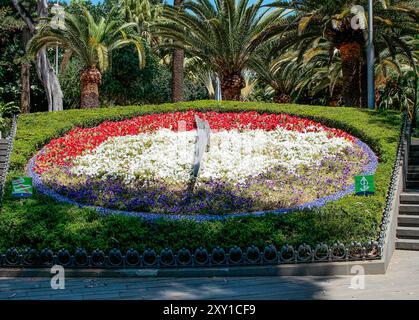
[(40, 222)]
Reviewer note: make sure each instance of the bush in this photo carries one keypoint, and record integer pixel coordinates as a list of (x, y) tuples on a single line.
[(41, 222), (8, 110)]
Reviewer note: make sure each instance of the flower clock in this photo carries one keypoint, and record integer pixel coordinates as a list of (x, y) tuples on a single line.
[(256, 163)]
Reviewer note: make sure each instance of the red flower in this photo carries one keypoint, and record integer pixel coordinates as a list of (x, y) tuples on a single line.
[(61, 151)]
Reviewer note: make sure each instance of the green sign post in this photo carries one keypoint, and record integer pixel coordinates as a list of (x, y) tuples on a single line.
[(22, 187), (364, 185)]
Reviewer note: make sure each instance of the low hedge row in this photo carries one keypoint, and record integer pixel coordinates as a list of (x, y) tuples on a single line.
[(41, 222)]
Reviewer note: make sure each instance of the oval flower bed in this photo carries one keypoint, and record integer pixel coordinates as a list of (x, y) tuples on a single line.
[(256, 163)]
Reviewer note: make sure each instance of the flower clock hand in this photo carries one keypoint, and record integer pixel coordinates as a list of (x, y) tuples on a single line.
[(202, 143), (201, 146)]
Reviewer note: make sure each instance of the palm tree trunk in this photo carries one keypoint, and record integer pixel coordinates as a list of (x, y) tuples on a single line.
[(25, 80), (25, 95), (90, 79), (177, 69), (336, 96), (231, 86), (351, 56), (281, 97)]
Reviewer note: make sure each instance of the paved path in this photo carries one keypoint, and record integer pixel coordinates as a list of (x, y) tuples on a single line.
[(400, 282)]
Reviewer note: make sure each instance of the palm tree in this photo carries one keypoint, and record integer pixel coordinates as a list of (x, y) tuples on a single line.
[(317, 20), (396, 79), (92, 42), (389, 66), (325, 74), (283, 74), (224, 34)]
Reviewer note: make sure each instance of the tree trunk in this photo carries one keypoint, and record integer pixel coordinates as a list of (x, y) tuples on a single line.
[(231, 86), (281, 97), (336, 96), (25, 80), (177, 69), (90, 79), (44, 70), (25, 95), (351, 57), (50, 81)]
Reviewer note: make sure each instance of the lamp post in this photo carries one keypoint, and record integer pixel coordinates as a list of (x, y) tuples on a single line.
[(370, 58)]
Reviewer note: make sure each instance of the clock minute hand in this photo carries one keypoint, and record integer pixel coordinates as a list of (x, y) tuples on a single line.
[(201, 144)]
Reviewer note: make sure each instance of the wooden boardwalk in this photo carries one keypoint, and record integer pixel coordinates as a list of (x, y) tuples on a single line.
[(400, 282)]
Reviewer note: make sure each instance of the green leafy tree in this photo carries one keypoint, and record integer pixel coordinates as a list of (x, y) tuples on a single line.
[(9, 24), (11, 51)]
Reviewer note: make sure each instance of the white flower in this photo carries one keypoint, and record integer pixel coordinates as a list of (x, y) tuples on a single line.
[(234, 156)]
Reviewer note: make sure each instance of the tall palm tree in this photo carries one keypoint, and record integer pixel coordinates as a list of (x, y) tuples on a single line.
[(92, 42), (317, 20), (224, 34)]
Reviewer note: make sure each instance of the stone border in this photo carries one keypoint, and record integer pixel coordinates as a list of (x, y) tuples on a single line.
[(317, 269)]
